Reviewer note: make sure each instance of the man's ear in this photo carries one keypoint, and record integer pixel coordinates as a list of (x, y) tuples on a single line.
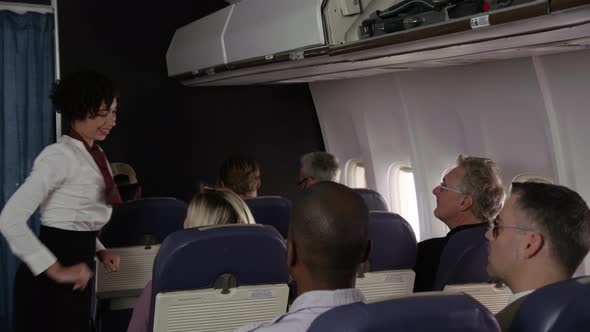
[(466, 202), (291, 253), (534, 243)]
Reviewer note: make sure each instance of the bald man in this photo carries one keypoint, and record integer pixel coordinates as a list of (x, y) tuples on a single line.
[(328, 239)]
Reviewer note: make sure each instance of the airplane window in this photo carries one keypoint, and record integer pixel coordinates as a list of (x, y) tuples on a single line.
[(532, 178), (355, 174), (403, 195)]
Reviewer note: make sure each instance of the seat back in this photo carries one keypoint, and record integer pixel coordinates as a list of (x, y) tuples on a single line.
[(271, 210), (558, 307), (203, 276), (134, 221), (430, 312), (134, 233), (373, 199), (495, 297), (393, 255), (464, 259)]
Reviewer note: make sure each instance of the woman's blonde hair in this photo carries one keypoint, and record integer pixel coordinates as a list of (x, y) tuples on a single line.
[(217, 207)]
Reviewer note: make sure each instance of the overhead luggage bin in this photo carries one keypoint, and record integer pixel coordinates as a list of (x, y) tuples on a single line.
[(199, 44), (263, 28), (246, 30), (528, 29)]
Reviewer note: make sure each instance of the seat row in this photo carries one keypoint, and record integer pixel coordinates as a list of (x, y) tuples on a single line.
[(217, 278), (138, 229), (558, 307)]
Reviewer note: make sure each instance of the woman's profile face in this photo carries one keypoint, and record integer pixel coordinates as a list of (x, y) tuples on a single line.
[(98, 127)]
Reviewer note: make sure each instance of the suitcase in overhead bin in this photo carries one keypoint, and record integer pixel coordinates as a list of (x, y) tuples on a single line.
[(402, 16), (411, 14)]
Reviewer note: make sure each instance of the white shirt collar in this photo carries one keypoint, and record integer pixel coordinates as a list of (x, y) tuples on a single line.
[(306, 308), (517, 296), (326, 298)]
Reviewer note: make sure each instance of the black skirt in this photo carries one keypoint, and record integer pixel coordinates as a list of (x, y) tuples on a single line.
[(41, 304)]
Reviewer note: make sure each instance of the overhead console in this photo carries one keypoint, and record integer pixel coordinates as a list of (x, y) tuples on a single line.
[(286, 41)]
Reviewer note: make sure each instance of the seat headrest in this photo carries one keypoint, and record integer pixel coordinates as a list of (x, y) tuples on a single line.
[(393, 243), (464, 258), (271, 210), (562, 306), (440, 312), (193, 258), (373, 199), (132, 221)]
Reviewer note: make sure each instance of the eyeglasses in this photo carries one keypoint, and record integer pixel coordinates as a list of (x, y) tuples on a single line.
[(443, 187), (495, 228)]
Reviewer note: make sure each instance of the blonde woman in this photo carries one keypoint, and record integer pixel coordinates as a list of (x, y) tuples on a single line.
[(210, 207)]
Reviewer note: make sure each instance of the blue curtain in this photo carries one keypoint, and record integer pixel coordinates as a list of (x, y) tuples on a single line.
[(26, 118)]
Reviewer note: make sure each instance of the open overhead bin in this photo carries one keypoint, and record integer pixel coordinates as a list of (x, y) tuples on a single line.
[(285, 41)]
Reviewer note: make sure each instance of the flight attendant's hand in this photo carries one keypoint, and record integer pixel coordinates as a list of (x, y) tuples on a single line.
[(110, 261), (78, 274)]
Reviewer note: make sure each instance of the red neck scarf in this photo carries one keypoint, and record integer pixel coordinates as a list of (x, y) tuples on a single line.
[(112, 193)]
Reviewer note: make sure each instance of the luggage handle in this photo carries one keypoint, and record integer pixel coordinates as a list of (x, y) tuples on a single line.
[(431, 4)]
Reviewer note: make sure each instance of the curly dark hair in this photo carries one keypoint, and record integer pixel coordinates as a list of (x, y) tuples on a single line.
[(81, 94)]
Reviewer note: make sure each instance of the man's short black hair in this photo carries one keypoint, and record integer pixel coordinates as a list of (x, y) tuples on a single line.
[(562, 216), (329, 225)]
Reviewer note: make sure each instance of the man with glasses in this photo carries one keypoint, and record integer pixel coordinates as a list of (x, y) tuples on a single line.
[(540, 237), (317, 166), (470, 195)]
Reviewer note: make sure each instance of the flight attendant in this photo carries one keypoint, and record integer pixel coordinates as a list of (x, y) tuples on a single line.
[(72, 184)]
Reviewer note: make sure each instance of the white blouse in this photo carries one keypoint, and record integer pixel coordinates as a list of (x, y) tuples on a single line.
[(69, 188)]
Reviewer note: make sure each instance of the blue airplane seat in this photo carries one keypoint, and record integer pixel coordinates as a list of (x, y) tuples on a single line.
[(440, 312), (195, 258), (559, 307), (373, 199), (138, 226), (464, 259), (271, 210), (388, 271), (144, 220), (393, 243)]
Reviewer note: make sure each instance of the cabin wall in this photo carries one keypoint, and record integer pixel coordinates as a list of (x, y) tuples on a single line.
[(565, 77), (175, 136), (527, 114)]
